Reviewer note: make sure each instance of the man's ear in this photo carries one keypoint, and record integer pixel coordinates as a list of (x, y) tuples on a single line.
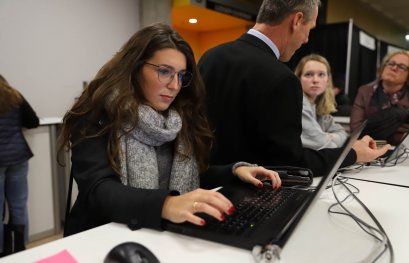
[(297, 20)]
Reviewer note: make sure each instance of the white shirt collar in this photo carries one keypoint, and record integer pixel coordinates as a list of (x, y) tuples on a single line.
[(266, 40)]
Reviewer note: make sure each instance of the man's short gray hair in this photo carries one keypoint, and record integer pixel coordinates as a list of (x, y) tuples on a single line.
[(273, 12)]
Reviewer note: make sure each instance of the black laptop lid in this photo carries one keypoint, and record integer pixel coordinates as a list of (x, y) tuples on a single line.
[(394, 154), (323, 183), (347, 148)]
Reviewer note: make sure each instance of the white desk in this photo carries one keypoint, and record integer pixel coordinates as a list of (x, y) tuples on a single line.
[(319, 237), (391, 175), (344, 121), (93, 245)]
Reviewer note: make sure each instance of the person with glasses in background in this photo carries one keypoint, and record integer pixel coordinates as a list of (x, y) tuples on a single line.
[(319, 130), (385, 102), (139, 139)]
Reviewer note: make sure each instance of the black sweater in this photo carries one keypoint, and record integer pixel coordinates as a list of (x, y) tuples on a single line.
[(102, 198)]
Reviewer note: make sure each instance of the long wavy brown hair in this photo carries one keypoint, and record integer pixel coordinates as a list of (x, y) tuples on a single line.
[(10, 98), (116, 93)]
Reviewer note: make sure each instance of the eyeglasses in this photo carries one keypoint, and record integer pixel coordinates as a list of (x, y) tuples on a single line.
[(401, 67), (166, 74)]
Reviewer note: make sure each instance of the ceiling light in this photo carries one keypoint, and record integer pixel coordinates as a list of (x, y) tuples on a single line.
[(192, 20), (407, 37)]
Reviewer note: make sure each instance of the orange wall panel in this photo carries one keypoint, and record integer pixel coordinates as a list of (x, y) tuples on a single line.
[(202, 41), (209, 39)]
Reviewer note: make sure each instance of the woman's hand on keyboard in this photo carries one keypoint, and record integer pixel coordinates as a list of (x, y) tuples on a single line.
[(256, 174), (182, 208)]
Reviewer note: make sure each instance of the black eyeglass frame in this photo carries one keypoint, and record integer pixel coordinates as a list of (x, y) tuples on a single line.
[(181, 75), (400, 66)]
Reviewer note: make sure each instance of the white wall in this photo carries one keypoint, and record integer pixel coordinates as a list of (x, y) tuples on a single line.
[(49, 47), (40, 184)]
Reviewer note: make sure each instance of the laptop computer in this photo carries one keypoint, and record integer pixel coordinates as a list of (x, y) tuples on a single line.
[(263, 216), (393, 154)]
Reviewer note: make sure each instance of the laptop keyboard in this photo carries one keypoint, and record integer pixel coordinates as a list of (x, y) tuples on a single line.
[(252, 212)]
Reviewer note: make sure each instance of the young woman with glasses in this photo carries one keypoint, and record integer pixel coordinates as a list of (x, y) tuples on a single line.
[(385, 102), (139, 140)]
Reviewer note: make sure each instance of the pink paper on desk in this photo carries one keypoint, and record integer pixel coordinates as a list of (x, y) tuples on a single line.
[(61, 257)]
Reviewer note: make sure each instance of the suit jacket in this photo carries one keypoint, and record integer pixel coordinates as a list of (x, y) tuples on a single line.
[(102, 198), (254, 105)]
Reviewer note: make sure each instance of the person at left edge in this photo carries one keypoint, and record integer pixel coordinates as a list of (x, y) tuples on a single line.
[(15, 113), (139, 139)]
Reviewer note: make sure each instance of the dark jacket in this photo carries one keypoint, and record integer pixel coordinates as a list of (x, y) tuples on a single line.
[(254, 105), (102, 198), (13, 146), (389, 123)]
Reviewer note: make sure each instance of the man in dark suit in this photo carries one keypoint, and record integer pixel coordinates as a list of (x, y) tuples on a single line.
[(254, 101)]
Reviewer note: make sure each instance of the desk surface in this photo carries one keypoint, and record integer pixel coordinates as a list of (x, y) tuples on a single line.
[(50, 120), (398, 175), (94, 244), (323, 237), (320, 237), (342, 119)]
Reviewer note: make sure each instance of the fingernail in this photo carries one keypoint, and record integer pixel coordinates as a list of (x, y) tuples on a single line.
[(260, 185), (231, 210), (222, 217), (202, 222)]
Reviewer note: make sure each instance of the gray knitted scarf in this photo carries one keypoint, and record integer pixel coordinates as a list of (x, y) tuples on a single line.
[(139, 165)]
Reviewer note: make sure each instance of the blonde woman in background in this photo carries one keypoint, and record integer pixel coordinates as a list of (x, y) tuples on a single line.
[(319, 129), (385, 102)]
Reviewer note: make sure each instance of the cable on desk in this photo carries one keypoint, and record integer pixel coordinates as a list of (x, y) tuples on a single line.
[(400, 158), (355, 168), (378, 233), (385, 162), (381, 162), (345, 179)]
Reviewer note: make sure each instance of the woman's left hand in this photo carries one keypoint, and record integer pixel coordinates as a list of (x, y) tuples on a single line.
[(250, 174), (182, 208)]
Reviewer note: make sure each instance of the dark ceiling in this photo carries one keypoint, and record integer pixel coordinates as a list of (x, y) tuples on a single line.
[(393, 10)]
